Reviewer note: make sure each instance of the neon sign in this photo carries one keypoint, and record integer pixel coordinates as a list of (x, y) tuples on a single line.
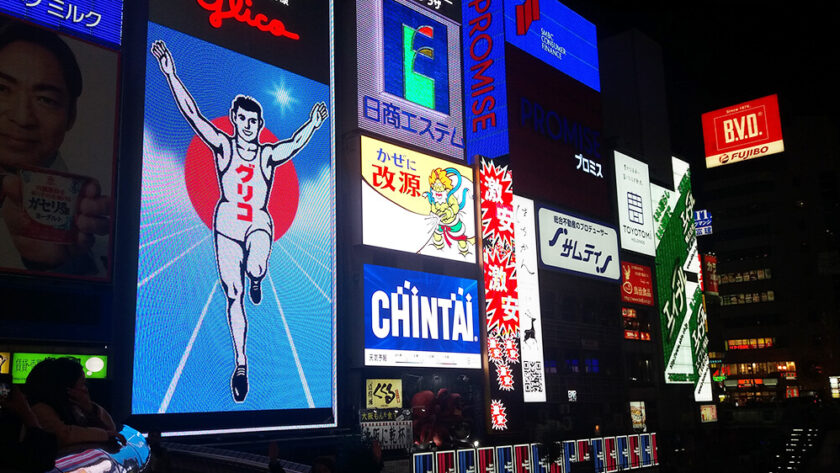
[(239, 10)]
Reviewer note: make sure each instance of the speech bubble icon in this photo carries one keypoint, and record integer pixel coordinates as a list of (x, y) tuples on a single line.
[(94, 365)]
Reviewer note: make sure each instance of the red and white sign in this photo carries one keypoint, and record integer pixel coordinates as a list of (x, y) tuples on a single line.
[(711, 278), (637, 284), (744, 131)]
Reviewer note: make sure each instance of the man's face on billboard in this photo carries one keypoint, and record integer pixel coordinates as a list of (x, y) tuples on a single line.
[(34, 105), (247, 124)]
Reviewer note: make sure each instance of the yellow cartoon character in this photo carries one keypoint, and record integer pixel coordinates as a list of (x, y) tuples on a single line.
[(446, 210)]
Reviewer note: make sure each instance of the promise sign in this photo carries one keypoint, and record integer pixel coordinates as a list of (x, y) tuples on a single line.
[(744, 131)]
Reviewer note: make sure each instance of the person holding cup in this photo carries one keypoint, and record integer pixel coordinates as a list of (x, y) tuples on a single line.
[(48, 217)]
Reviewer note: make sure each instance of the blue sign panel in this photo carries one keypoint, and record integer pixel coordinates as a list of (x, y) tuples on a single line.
[(97, 20), (558, 36), (647, 457), (598, 454), (422, 319), (623, 451), (485, 87), (504, 459)]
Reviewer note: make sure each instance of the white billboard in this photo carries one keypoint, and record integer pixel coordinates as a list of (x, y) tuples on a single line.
[(575, 244), (530, 325), (635, 215)]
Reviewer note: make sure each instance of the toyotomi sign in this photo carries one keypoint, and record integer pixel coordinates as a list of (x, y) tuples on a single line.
[(420, 319), (578, 245), (635, 216), (744, 131)]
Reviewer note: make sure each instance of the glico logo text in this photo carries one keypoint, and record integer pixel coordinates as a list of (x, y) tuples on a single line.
[(415, 57), (404, 313)]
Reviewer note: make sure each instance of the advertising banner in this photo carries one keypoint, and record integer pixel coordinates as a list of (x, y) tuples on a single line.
[(486, 460), (708, 413), (5, 362), (466, 460), (522, 458), (703, 222), (555, 137), (744, 131), (598, 458), (501, 295), (420, 319), (383, 393), (539, 458), (556, 35), (638, 416), (635, 216), (57, 157), (423, 462), (237, 243), (504, 459), (409, 75), (633, 448), (682, 318), (622, 452), (445, 461), (637, 284), (530, 328), (571, 243), (99, 21), (392, 435), (485, 89), (610, 455), (416, 203), (95, 366), (710, 274)]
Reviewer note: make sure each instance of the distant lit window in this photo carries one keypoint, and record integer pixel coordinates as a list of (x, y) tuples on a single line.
[(591, 365), (573, 366)]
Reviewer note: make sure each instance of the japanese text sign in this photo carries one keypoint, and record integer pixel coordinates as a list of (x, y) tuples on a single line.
[(383, 393), (99, 21), (571, 243), (744, 131), (635, 215), (416, 203), (637, 284), (409, 67)]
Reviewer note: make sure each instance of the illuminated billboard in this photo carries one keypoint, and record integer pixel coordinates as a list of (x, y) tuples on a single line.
[(420, 319), (416, 203), (556, 35), (485, 89), (409, 69), (528, 285), (682, 317), (637, 284), (744, 131), (555, 137), (94, 366), (501, 295), (578, 245), (99, 21), (57, 156), (635, 217), (235, 281)]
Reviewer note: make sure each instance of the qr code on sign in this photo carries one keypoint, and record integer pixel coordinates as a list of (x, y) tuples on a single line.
[(532, 372)]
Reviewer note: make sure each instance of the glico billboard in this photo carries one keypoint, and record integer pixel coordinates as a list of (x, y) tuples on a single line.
[(745, 131), (235, 279)]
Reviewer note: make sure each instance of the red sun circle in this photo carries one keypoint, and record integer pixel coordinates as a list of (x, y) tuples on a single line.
[(203, 183)]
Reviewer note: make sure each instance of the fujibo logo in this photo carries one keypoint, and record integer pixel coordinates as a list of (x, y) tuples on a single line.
[(415, 57), (407, 314), (743, 155)]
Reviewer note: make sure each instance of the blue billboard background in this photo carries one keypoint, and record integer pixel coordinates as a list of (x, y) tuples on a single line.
[(183, 356), (391, 280), (557, 35), (99, 21)]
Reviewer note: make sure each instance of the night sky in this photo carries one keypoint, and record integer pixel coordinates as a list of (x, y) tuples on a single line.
[(721, 53)]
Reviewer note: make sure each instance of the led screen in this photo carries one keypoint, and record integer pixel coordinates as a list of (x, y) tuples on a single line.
[(409, 68), (635, 217), (578, 245), (555, 137), (57, 157), (420, 319), (95, 366), (745, 131), (416, 203), (235, 287), (682, 317), (95, 20), (556, 35), (485, 89)]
